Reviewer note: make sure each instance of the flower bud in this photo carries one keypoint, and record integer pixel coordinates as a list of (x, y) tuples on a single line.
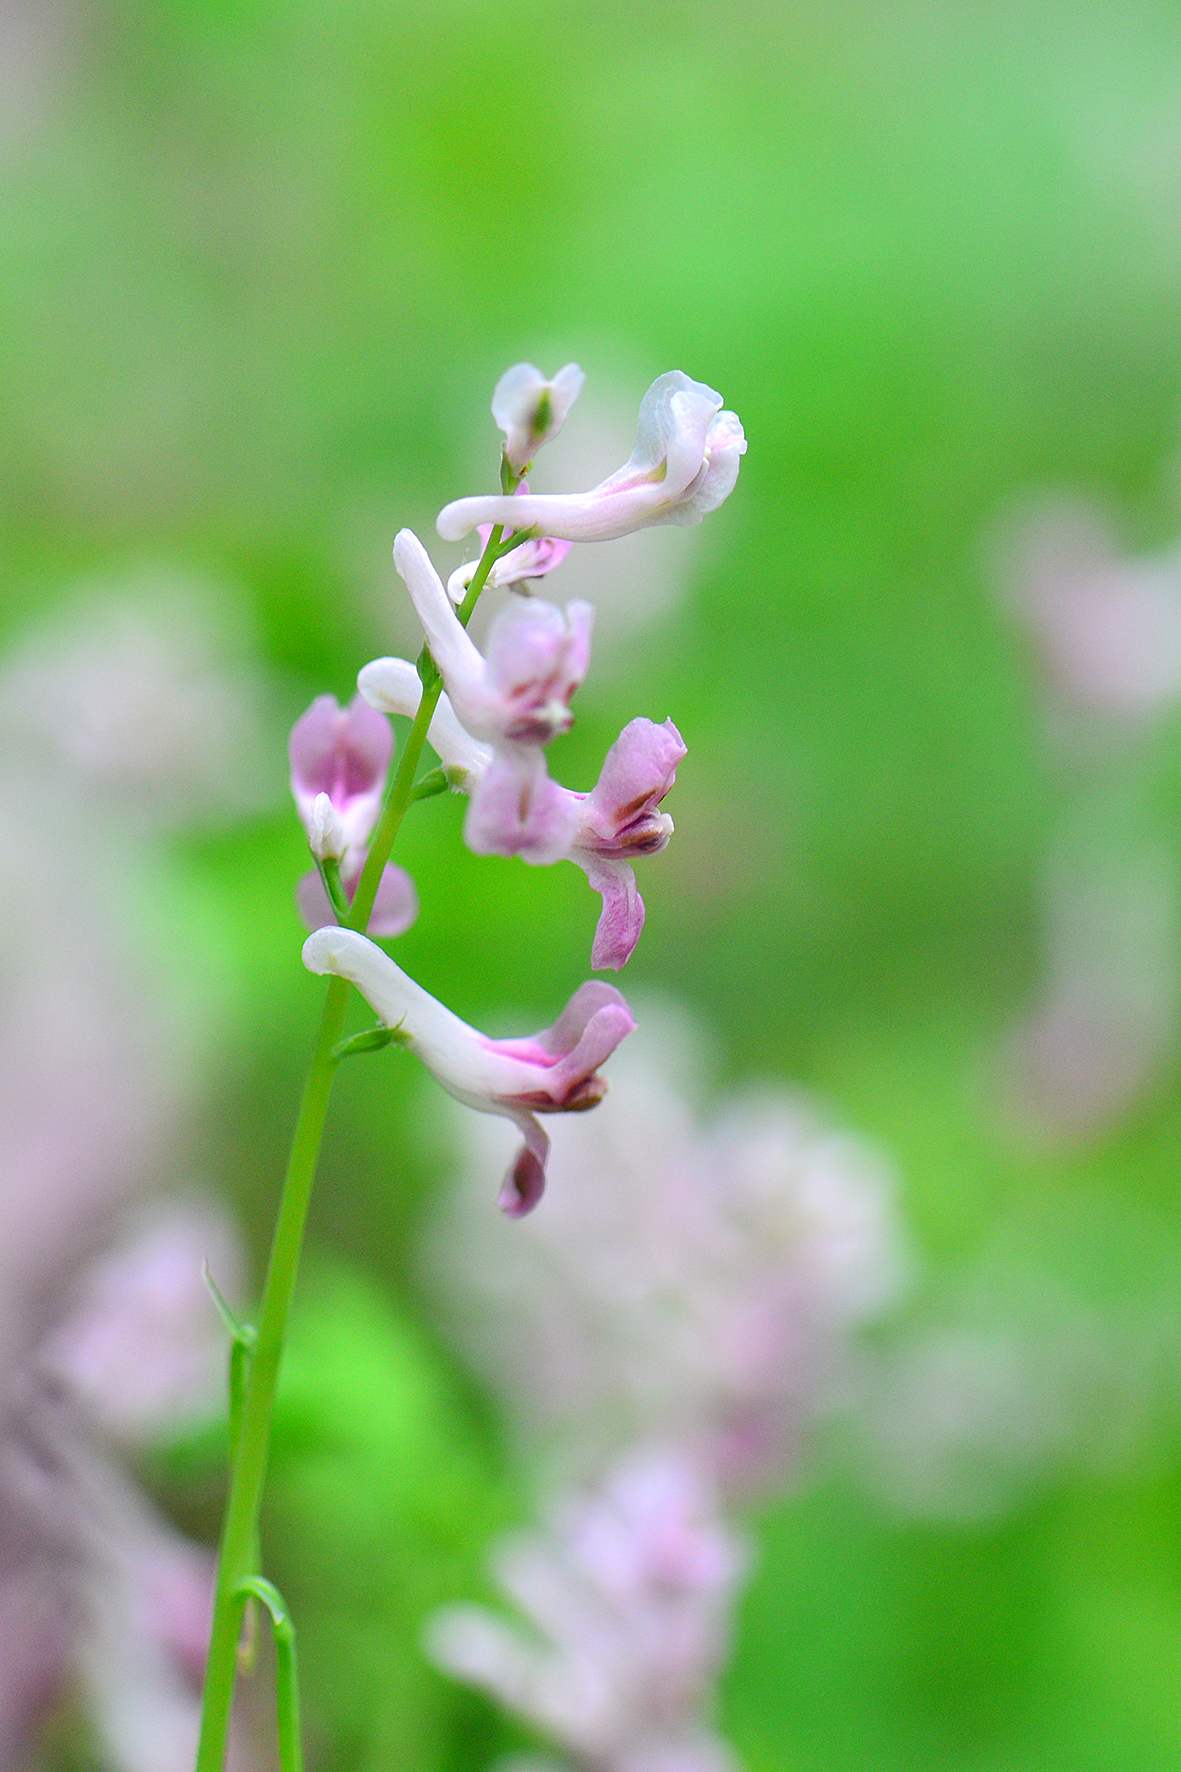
[(531, 410), (326, 836)]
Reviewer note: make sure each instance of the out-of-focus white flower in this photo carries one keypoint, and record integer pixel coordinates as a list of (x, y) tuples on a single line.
[(684, 465), (531, 409), (697, 1284), (1106, 1015), (629, 1594)]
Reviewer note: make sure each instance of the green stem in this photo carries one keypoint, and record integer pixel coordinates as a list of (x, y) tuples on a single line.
[(238, 1553), (286, 1671)]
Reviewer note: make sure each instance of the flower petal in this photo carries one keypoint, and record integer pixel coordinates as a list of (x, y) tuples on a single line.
[(621, 920), (637, 773), (517, 809), (524, 1182), (531, 410)]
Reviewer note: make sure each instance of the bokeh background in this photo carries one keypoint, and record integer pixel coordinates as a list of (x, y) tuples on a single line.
[(261, 262)]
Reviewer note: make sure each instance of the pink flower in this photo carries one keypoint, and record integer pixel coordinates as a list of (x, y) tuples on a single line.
[(516, 811), (685, 464), (517, 698), (344, 753), (531, 410), (618, 821), (554, 1071), (394, 909), (339, 761)]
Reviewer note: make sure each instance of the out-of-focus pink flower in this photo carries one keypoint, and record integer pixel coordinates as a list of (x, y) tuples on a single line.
[(629, 1595), (394, 909), (684, 465), (142, 1348), (344, 753), (531, 410), (1107, 628), (554, 1071)]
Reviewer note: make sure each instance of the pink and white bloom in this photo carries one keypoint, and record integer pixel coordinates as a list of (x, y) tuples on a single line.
[(551, 1072), (603, 831), (516, 698), (340, 758), (537, 656), (684, 465), (531, 410)]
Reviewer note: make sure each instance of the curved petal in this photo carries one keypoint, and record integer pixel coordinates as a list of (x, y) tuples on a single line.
[(637, 773), (451, 646), (621, 920), (670, 477), (524, 1182), (567, 1032)]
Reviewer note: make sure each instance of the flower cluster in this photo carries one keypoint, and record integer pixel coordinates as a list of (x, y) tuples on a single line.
[(492, 715)]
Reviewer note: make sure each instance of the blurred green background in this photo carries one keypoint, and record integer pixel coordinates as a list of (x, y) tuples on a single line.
[(261, 262)]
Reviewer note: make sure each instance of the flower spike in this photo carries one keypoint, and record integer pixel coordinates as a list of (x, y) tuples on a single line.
[(552, 1072), (684, 465)]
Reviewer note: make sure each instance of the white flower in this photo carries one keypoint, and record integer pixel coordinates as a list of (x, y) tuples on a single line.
[(684, 464)]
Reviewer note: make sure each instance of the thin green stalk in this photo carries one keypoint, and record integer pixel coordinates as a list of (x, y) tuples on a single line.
[(236, 1569), (286, 1671)]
